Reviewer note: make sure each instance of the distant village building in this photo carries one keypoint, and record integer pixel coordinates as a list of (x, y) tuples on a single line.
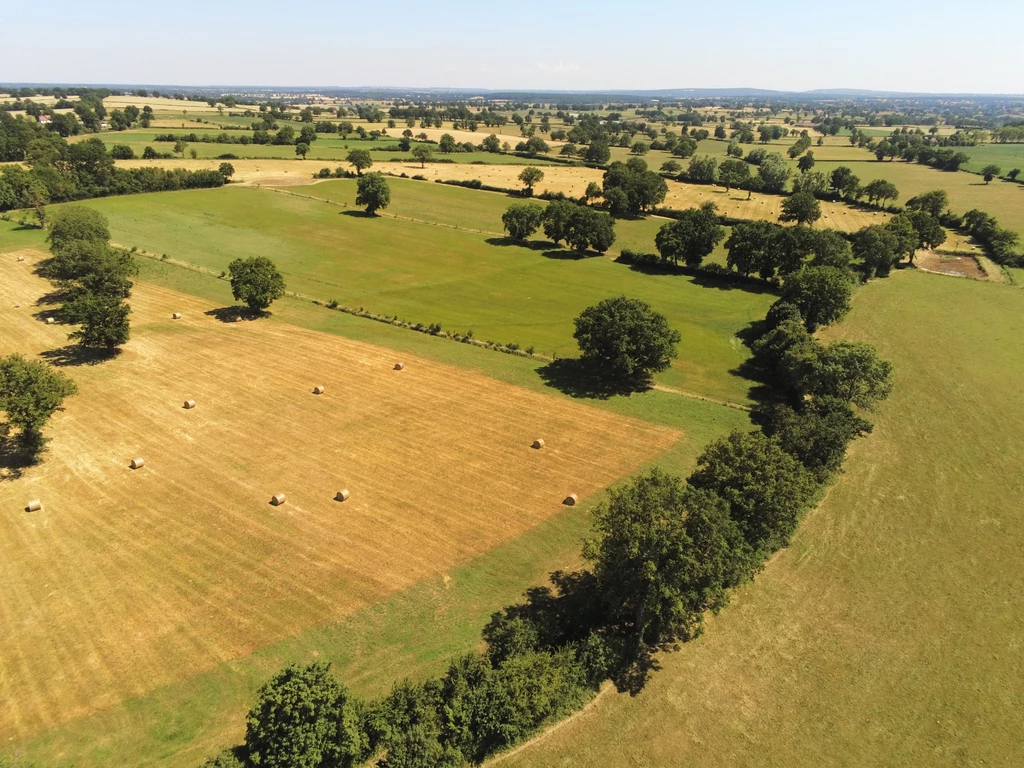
[(45, 119), (104, 125)]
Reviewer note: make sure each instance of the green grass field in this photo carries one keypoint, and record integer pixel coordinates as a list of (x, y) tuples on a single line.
[(425, 273), (889, 632), (1006, 156)]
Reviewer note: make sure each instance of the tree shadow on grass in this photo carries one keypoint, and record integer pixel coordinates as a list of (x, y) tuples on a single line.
[(74, 354), (533, 245), (12, 461), (235, 314), (360, 214), (578, 378)]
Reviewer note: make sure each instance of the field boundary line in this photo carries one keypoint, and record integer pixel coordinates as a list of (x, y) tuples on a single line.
[(411, 327)]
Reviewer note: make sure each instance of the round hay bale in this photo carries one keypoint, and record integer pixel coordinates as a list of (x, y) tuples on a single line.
[(21, 258), (277, 499), (318, 389), (34, 506), (189, 404), (571, 499), (138, 463), (176, 316), (342, 495), (399, 366), (238, 319), (538, 443), (50, 321)]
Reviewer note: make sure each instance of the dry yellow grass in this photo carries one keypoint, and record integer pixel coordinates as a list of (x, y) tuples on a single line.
[(127, 580), (158, 104), (573, 181), (257, 171)]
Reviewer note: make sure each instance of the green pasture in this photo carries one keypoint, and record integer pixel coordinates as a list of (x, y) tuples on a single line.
[(888, 633), (1006, 156), (426, 273)]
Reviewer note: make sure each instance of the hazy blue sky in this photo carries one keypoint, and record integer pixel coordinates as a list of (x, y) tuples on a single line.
[(937, 46)]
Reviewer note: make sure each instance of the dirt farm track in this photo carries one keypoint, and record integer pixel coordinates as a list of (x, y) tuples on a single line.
[(129, 579)]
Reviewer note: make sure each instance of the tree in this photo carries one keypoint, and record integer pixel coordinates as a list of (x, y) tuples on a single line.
[(531, 175), (806, 162), (122, 152), (989, 172), (556, 219), (845, 370), (773, 173), (491, 144), (630, 189), (227, 170), (751, 248), (671, 167), (691, 237), (446, 144), (817, 434), (830, 249), (423, 153), (360, 158), (625, 339), (256, 282), (881, 190), (372, 190), (766, 489), (802, 207), (76, 222), (822, 294), (30, 393), (522, 219), (930, 233), (878, 248), (933, 202), (640, 148), (302, 149), (104, 321), (589, 229), (597, 153), (702, 169), (180, 146), (407, 725), (844, 182), (593, 191), (733, 173), (305, 718), (664, 554)]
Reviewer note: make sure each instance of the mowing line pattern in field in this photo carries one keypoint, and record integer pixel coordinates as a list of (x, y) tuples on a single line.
[(130, 579)]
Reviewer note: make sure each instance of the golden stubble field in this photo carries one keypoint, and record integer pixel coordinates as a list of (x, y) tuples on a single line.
[(567, 179), (127, 580)]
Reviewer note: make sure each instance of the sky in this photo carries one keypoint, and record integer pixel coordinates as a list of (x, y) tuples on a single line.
[(936, 46)]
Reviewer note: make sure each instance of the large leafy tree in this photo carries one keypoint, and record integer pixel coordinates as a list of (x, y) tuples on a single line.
[(822, 294), (845, 370), (373, 191), (878, 249), (766, 489), (255, 282), (30, 393), (408, 726), (802, 207), (664, 554), (625, 339), (103, 319), (76, 223), (360, 158), (522, 219), (631, 189), (690, 237), (531, 175), (816, 432), (305, 718)]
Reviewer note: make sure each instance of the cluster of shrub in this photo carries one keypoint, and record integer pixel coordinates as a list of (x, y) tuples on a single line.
[(92, 279), (666, 552), (61, 172)]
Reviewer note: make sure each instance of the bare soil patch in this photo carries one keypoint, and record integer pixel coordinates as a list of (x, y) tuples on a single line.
[(961, 265)]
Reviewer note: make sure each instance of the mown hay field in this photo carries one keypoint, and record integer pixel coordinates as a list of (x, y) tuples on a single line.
[(130, 580), (435, 274), (889, 633)]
